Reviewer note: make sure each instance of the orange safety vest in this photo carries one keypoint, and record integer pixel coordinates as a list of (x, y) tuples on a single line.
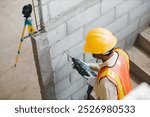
[(118, 74)]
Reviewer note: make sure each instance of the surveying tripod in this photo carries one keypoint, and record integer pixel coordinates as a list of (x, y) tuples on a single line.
[(27, 22)]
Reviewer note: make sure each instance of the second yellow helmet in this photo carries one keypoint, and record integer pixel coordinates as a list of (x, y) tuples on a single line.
[(99, 41)]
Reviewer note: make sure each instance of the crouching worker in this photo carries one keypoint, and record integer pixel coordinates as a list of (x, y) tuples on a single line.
[(113, 80)]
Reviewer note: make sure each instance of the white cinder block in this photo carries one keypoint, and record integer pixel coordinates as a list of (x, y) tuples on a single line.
[(62, 73), (132, 27), (59, 61), (145, 19), (82, 92), (121, 44), (79, 56), (139, 11), (77, 49), (59, 87), (83, 97), (57, 34), (83, 18), (130, 40), (68, 98), (118, 2), (66, 43), (144, 1), (118, 24), (45, 12), (75, 76), (57, 7), (44, 1), (126, 6), (71, 90), (101, 21), (106, 5)]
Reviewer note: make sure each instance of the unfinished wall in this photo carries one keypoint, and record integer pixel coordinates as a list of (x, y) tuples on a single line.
[(67, 23)]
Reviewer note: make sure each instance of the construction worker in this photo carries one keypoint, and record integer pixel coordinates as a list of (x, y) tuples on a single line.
[(113, 80)]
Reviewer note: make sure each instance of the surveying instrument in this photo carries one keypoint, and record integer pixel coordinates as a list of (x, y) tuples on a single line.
[(27, 10)]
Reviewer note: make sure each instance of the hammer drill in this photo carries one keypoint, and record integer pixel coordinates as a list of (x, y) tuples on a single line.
[(82, 68)]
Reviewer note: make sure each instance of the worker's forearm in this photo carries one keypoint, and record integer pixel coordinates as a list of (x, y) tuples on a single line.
[(93, 66)]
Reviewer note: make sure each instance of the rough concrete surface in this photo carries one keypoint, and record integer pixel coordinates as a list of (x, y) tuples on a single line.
[(21, 82)]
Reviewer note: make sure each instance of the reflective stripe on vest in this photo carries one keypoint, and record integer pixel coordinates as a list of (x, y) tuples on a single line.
[(118, 74)]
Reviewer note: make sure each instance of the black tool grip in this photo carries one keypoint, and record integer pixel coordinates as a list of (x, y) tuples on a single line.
[(82, 68)]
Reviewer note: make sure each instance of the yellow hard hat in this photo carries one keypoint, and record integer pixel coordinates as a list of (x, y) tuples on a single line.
[(99, 41)]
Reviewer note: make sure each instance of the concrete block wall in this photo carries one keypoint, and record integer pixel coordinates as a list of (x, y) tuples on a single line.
[(67, 23)]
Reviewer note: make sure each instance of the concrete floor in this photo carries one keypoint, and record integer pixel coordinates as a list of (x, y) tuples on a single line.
[(21, 82)]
